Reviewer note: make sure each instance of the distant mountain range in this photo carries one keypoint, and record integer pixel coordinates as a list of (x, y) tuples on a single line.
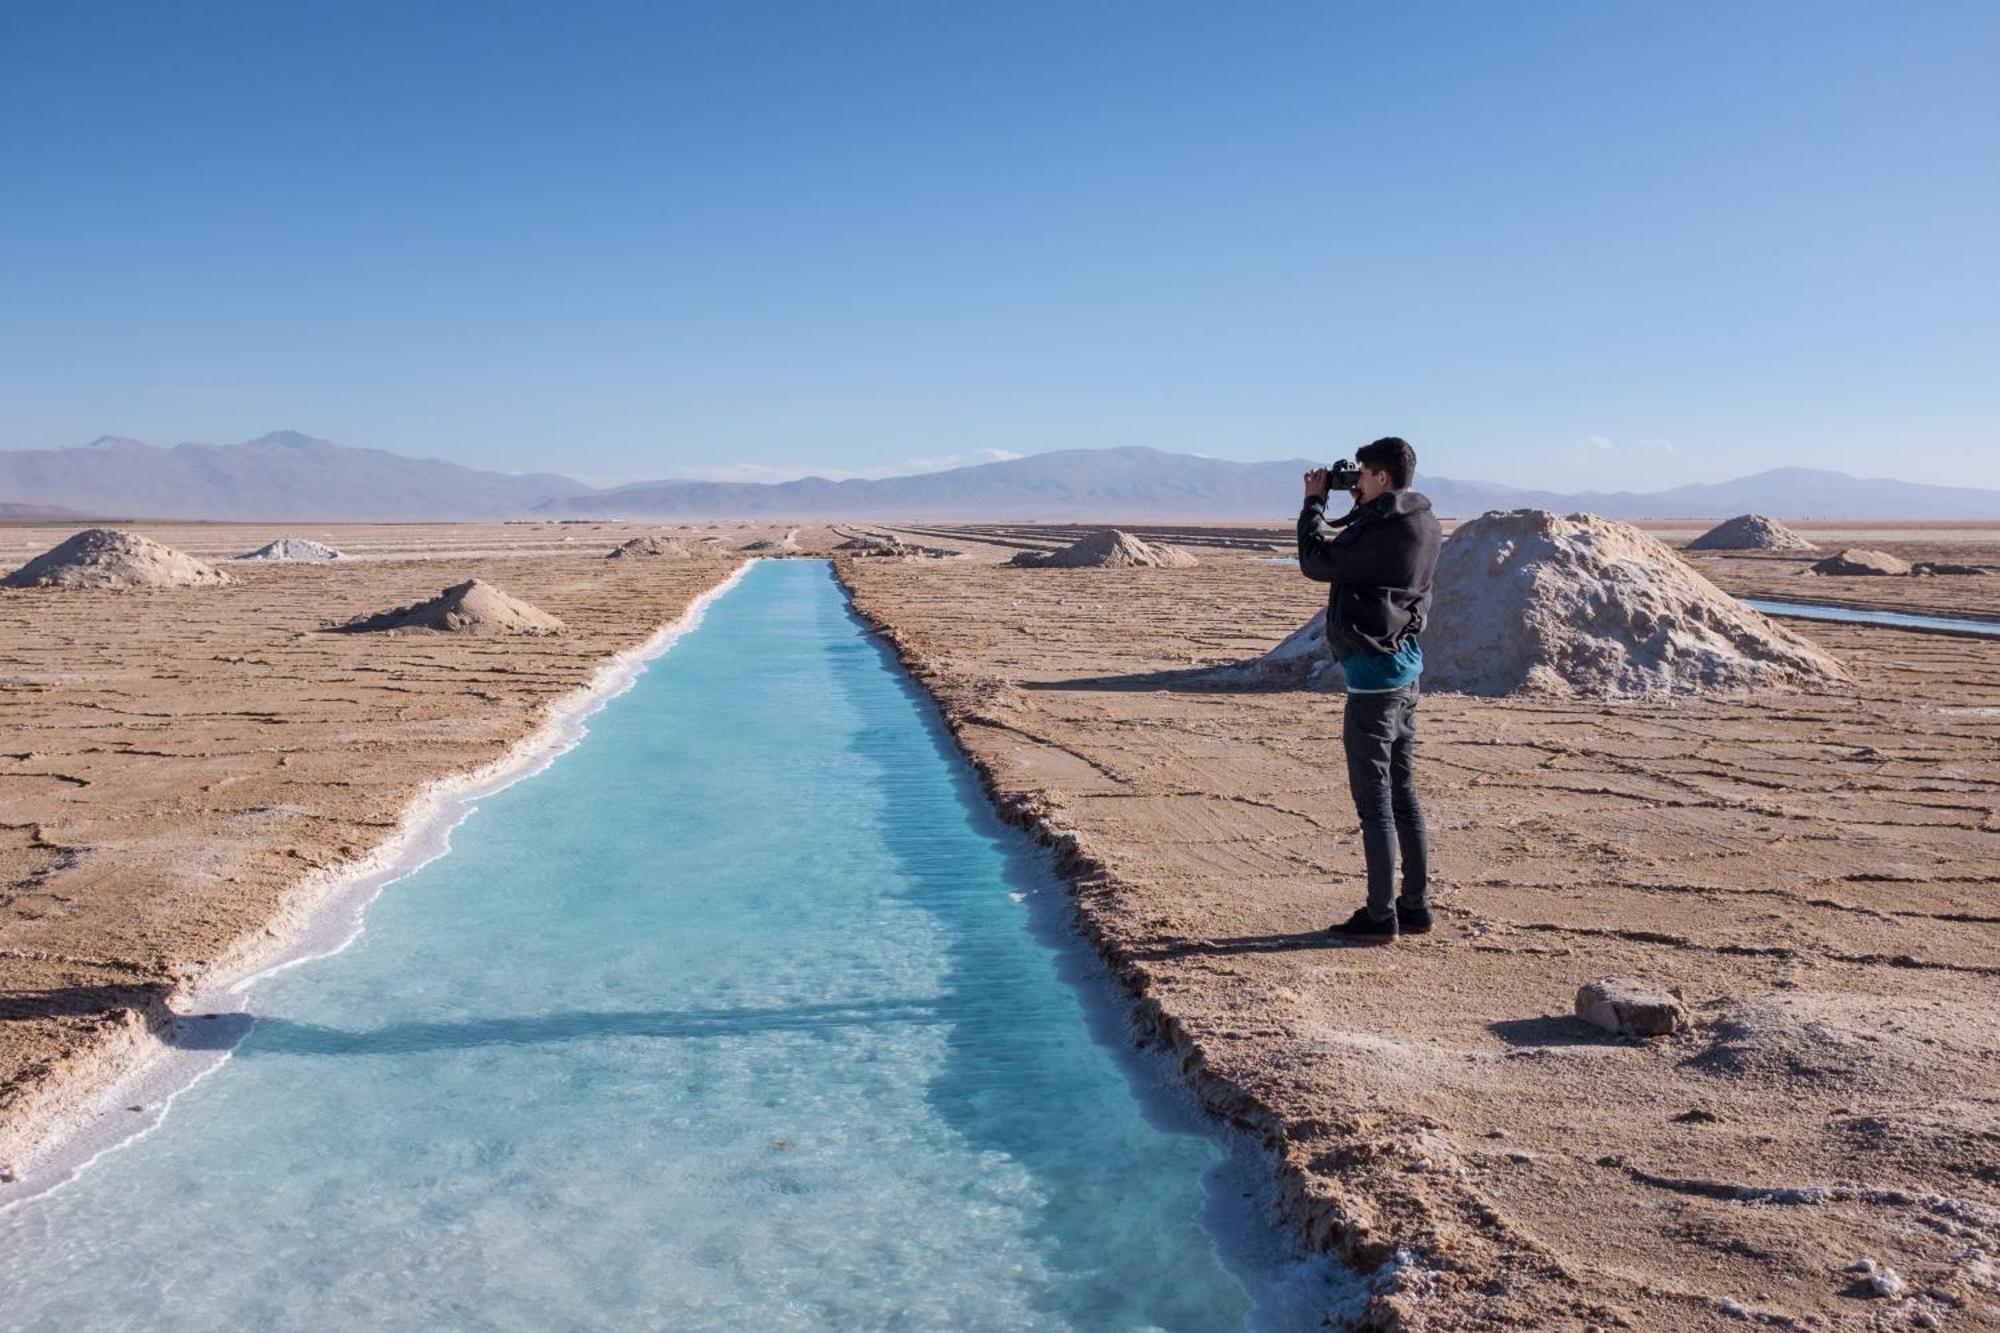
[(287, 475), (283, 475)]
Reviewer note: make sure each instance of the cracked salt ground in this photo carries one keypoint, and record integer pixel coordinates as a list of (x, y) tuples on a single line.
[(734, 1018)]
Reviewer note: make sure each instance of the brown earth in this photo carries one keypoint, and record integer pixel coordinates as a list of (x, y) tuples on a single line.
[(177, 763), (1816, 875)]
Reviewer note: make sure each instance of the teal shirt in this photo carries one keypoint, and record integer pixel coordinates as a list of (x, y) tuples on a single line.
[(1378, 673)]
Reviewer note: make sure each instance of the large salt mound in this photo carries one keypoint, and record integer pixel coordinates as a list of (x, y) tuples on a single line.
[(1858, 560), (1750, 532), (1107, 548), (108, 558), (292, 548), (1529, 602), (472, 607), (649, 545)]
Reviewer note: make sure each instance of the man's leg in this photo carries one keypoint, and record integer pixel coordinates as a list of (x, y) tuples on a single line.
[(1368, 731), (1411, 834)]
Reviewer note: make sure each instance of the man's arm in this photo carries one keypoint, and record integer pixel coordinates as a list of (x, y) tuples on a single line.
[(1338, 551)]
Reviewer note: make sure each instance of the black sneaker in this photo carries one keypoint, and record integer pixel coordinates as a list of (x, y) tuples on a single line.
[(1365, 929), (1413, 920)]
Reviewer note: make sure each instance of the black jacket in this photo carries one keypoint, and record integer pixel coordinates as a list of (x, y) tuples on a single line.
[(1379, 557)]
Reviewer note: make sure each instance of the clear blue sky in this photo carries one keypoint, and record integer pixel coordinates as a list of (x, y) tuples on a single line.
[(1589, 244)]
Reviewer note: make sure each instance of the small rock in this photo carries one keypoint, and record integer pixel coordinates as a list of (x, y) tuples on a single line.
[(1630, 1009), (1863, 1266), (1887, 1283), (7, 1176)]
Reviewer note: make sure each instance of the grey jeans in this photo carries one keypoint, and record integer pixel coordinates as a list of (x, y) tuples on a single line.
[(1379, 732)]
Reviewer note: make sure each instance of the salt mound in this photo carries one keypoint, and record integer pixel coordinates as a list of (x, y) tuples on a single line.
[(472, 607), (292, 548), (891, 545), (1530, 602), (1302, 661), (1750, 532), (649, 545), (1857, 560), (788, 542), (108, 558), (1108, 548)]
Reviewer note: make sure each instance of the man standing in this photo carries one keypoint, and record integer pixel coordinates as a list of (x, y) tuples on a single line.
[(1379, 557)]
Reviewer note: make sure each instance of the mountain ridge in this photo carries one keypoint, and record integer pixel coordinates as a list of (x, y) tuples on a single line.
[(289, 475)]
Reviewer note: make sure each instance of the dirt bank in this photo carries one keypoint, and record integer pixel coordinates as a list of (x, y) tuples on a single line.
[(176, 773), (1816, 874)]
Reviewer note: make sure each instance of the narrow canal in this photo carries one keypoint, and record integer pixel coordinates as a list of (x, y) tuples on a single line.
[(745, 1014)]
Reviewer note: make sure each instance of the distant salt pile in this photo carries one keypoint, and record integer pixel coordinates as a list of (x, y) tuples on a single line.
[(889, 546), (1750, 532), (108, 558), (1302, 661), (1107, 548), (649, 545), (787, 543), (1530, 602), (1856, 560), (472, 607), (292, 548)]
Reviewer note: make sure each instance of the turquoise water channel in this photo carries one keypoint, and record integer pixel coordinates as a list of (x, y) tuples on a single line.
[(745, 1014)]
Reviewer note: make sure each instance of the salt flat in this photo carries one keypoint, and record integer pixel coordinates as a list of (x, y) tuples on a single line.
[(1817, 873)]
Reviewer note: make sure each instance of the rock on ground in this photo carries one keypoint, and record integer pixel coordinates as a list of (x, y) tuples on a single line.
[(1750, 532), (1630, 1009), (1860, 560), (1930, 568), (292, 549), (1108, 548), (108, 558), (465, 608)]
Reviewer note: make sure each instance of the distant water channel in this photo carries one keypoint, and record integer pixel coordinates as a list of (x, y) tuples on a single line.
[(1850, 615), (746, 1014)]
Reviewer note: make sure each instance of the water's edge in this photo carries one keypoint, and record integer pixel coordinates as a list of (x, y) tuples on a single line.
[(1876, 617), (1323, 1225), (174, 1047)]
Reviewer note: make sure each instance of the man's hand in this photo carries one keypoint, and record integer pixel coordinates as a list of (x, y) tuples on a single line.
[(1316, 481)]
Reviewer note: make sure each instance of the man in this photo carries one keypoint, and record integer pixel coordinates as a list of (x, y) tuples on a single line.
[(1379, 557)]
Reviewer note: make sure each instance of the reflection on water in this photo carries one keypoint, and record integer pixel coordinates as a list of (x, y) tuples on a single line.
[(747, 1014), (1849, 615)]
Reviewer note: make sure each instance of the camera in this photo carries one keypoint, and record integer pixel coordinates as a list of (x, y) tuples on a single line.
[(1343, 476)]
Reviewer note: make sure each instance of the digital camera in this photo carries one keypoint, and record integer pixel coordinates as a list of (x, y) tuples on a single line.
[(1343, 476)]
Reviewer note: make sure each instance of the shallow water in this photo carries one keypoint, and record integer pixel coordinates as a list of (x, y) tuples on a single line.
[(1849, 615), (746, 1014)]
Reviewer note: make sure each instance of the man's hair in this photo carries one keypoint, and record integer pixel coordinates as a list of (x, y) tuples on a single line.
[(1391, 454)]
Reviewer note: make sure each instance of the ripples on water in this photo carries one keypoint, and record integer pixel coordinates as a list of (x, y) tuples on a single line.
[(736, 1018)]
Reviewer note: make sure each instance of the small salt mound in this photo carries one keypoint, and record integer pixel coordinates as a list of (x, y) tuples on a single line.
[(1107, 548), (472, 607), (1303, 661), (1750, 532), (788, 542), (108, 558), (1857, 560), (649, 545), (889, 546), (292, 548)]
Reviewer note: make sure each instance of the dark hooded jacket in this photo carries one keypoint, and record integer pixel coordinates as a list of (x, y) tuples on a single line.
[(1379, 557)]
